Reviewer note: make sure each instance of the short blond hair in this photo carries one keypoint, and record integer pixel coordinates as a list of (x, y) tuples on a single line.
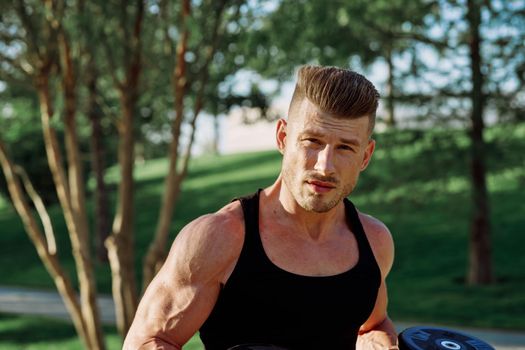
[(341, 92)]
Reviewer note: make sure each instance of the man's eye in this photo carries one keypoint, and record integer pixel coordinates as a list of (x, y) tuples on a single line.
[(311, 141), (346, 148)]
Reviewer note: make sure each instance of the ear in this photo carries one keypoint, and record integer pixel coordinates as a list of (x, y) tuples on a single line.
[(369, 150), (281, 134)]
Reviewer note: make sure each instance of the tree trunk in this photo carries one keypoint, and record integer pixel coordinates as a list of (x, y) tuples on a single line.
[(480, 261), (80, 239), (42, 56), (48, 258), (156, 250), (120, 242), (102, 220), (216, 134), (75, 222), (390, 88)]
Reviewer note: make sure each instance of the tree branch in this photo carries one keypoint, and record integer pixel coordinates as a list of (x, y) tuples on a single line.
[(28, 25), (8, 38), (124, 29), (40, 208), (155, 252), (9, 60), (136, 45), (50, 261), (16, 64), (164, 14), (112, 64), (405, 35), (204, 73), (10, 78)]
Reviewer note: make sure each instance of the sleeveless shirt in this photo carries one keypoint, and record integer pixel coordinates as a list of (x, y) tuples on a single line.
[(262, 303)]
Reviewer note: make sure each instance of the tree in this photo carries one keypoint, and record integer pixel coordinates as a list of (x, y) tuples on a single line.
[(353, 33), (47, 57), (480, 266), (91, 77), (98, 164), (44, 242), (483, 68), (503, 35), (40, 55), (55, 53), (208, 25), (124, 62)]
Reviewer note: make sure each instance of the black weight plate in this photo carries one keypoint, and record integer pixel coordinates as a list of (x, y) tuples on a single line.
[(431, 338)]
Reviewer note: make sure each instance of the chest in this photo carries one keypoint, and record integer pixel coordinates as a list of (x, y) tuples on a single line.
[(294, 254)]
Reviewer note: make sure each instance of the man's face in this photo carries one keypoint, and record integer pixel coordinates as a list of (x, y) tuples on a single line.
[(322, 156)]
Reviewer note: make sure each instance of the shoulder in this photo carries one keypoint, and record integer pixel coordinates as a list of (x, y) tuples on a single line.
[(227, 225), (381, 241), (210, 244)]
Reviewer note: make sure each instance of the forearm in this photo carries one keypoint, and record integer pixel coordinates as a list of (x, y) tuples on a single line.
[(381, 337), (137, 340), (159, 344)]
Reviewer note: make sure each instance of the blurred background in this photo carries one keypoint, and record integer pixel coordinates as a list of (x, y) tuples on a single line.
[(121, 121)]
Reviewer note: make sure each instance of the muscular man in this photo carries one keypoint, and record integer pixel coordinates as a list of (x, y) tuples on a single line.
[(294, 264)]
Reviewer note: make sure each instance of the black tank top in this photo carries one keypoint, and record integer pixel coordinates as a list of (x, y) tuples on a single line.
[(262, 303)]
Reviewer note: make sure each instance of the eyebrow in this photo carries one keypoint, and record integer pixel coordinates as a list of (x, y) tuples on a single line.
[(352, 141)]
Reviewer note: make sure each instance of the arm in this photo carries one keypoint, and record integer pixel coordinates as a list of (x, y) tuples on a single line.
[(184, 292), (378, 331)]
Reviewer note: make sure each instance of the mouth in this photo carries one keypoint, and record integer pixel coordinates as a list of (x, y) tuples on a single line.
[(321, 186)]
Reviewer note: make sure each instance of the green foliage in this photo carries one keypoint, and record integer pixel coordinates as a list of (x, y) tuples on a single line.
[(332, 33), (426, 42)]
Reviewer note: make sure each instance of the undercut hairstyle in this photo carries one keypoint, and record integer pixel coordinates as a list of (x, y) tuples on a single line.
[(341, 92)]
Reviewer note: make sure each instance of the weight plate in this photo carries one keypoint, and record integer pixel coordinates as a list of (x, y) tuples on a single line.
[(431, 338)]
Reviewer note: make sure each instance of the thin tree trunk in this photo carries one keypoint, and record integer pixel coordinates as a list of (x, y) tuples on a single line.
[(157, 249), (480, 260), (120, 243), (47, 256), (59, 177), (179, 84), (102, 220), (390, 119), (70, 187), (80, 237), (216, 134)]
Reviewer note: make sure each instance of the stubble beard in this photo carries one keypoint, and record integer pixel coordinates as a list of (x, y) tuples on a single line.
[(311, 201)]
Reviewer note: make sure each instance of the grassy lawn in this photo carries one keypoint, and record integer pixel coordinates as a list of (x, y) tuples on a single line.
[(417, 183), (35, 333)]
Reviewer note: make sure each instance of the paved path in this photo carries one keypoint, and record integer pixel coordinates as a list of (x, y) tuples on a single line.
[(48, 303)]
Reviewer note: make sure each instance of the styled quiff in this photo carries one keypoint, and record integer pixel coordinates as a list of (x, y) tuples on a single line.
[(341, 92)]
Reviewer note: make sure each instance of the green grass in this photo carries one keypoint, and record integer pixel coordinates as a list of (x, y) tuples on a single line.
[(36, 333), (417, 183)]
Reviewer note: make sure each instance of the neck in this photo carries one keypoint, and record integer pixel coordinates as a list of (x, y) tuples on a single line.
[(313, 225)]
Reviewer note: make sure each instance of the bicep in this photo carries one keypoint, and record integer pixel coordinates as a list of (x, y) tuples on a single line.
[(184, 292)]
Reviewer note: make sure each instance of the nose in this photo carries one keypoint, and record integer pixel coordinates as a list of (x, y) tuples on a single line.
[(324, 162)]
